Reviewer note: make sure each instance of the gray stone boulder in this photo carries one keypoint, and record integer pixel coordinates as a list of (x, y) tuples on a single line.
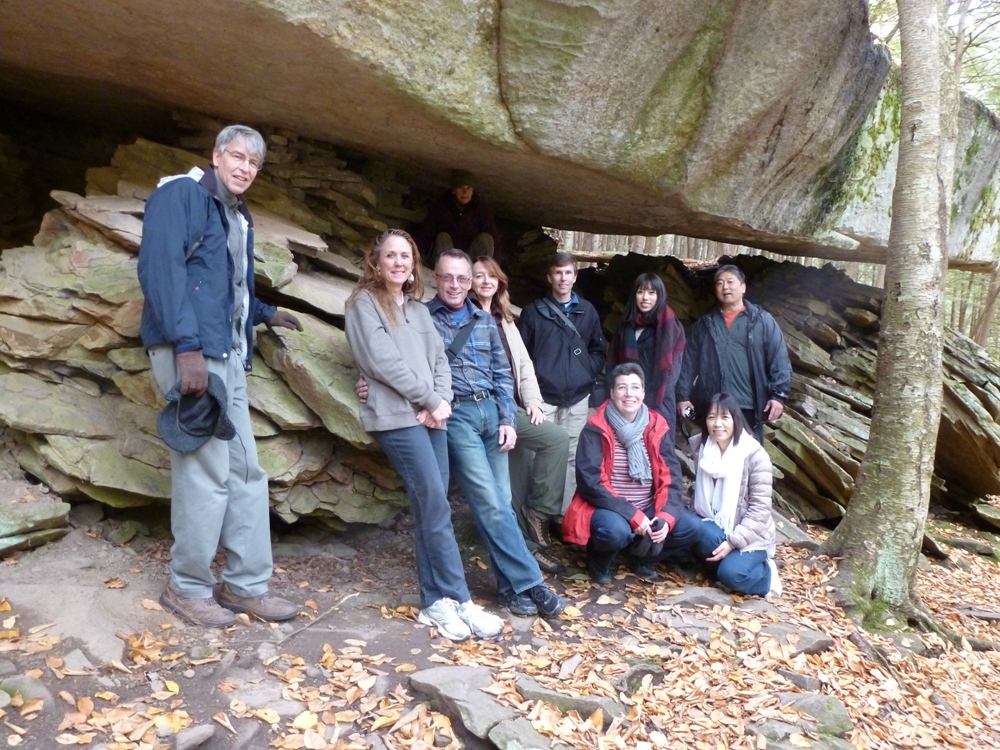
[(585, 705), (457, 691)]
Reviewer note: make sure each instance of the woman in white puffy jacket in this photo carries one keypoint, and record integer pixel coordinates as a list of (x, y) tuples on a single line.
[(733, 497)]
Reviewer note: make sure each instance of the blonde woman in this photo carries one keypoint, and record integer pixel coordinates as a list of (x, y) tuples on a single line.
[(401, 356)]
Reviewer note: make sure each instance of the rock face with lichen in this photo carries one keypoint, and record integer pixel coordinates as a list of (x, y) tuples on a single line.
[(769, 123), (77, 393)]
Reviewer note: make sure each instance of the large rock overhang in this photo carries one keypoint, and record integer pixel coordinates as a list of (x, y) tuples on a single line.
[(767, 124)]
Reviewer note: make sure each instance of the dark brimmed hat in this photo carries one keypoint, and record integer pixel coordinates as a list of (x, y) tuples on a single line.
[(188, 422), (461, 177)]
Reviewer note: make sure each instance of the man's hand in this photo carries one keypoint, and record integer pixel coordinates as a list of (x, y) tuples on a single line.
[(284, 319), (683, 406), (773, 409), (507, 438), (721, 551), (361, 388), (644, 528), (535, 414), (193, 372)]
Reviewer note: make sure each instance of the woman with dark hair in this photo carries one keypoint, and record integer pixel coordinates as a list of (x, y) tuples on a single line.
[(402, 358), (732, 493), (650, 334), (538, 461), (628, 484)]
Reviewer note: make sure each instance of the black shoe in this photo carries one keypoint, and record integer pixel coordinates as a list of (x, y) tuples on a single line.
[(519, 604), (547, 561), (547, 602), (643, 570), (599, 572), (538, 528)]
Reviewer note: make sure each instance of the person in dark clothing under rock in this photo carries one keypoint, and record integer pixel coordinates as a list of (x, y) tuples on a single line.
[(459, 219)]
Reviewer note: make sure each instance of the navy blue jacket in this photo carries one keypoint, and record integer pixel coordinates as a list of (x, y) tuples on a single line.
[(770, 369), (186, 273)]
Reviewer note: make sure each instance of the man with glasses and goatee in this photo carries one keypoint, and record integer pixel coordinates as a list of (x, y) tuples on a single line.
[(196, 272)]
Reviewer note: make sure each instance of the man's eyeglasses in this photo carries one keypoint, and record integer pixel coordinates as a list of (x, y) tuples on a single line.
[(240, 158), (449, 279)]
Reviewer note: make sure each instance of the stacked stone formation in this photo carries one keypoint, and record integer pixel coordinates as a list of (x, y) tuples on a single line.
[(78, 397)]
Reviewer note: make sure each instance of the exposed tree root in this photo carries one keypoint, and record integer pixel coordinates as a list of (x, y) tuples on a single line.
[(919, 618)]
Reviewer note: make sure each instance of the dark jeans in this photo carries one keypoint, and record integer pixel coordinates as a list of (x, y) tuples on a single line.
[(745, 572), (610, 533), (420, 456), (756, 424)]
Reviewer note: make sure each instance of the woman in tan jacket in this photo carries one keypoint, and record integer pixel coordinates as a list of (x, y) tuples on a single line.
[(538, 462), (733, 497)]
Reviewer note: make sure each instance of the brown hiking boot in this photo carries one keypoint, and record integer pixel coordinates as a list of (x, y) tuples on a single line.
[(204, 612), (538, 528), (547, 561), (266, 607)]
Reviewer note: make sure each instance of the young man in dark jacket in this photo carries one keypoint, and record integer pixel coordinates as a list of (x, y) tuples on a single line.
[(736, 348), (459, 219), (563, 336), (196, 273)]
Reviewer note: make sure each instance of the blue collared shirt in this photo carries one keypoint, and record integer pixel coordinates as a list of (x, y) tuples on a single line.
[(482, 364)]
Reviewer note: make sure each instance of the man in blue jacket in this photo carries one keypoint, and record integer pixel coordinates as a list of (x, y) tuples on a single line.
[(196, 273), (737, 348)]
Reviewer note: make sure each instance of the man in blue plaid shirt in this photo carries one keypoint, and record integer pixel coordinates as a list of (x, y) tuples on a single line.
[(481, 431)]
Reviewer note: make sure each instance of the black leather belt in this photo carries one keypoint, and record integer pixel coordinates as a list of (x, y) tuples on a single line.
[(479, 396)]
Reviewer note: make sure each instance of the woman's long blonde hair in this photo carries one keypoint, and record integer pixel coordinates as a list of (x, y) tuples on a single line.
[(501, 300), (371, 277)]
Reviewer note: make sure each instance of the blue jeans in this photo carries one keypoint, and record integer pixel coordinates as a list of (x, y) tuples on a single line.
[(745, 572), (610, 532), (482, 473), (420, 456)]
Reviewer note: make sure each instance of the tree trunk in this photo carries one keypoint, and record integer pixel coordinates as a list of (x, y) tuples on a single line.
[(880, 536), (984, 323)]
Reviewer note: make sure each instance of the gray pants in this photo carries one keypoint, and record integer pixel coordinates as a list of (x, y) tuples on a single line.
[(218, 495)]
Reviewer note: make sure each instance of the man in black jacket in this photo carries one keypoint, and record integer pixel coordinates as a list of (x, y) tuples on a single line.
[(564, 340), (737, 348)]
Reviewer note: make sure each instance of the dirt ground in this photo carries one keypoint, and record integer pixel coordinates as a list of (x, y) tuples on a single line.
[(85, 608)]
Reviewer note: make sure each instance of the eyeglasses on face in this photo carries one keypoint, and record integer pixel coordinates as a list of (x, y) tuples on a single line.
[(450, 279), (240, 158), (623, 388)]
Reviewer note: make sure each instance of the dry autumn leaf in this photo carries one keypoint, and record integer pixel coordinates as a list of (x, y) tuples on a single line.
[(115, 583), (223, 720), (151, 604)]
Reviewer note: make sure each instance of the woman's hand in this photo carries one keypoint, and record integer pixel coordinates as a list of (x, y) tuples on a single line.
[(644, 528), (658, 535), (720, 552), (442, 412), (424, 418), (535, 414)]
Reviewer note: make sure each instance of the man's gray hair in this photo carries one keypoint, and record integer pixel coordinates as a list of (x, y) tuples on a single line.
[(453, 252), (254, 141)]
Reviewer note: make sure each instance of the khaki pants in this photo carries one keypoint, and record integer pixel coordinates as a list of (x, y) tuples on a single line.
[(572, 419)]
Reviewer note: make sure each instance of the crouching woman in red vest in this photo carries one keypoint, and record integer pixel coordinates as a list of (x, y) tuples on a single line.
[(628, 484)]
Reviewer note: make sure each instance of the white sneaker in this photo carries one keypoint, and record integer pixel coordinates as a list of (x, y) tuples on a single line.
[(480, 622), (443, 615), (775, 580)]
